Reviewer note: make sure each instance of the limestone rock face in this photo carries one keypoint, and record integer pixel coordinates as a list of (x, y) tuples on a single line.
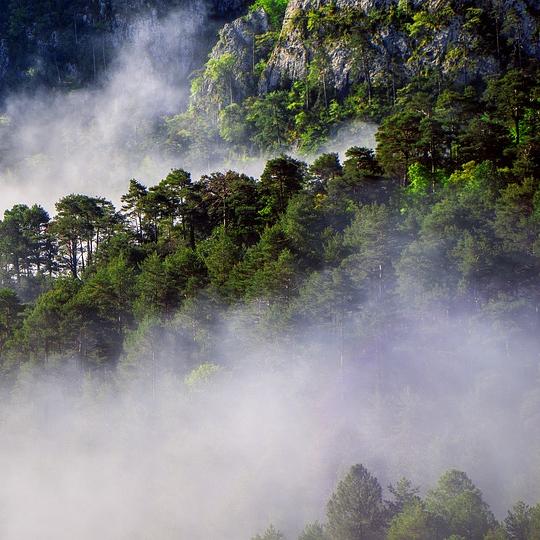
[(238, 38), (455, 47)]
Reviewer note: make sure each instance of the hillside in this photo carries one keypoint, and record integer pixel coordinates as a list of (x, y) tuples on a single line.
[(210, 352), (293, 83)]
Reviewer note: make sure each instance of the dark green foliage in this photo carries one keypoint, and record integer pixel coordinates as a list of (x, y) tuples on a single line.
[(281, 179), (356, 510), (443, 218), (328, 245), (444, 214), (325, 168), (458, 508), (26, 249), (10, 315)]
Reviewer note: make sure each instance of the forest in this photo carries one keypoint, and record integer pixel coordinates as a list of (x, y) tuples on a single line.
[(444, 214), (453, 509), (394, 288)]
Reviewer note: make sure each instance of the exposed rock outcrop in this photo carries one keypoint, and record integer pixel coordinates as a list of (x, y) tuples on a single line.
[(241, 42), (239, 39), (366, 40)]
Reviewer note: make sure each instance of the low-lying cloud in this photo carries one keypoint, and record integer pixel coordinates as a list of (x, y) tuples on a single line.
[(264, 438), (93, 140)]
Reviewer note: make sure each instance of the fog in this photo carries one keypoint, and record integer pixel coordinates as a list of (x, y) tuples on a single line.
[(93, 141), (264, 436)]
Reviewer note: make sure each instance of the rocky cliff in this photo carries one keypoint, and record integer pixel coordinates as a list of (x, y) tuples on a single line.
[(245, 41), (370, 40), (386, 43)]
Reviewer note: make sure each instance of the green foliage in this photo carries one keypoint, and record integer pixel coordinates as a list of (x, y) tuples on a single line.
[(270, 534), (313, 531), (412, 523), (275, 9), (458, 508), (404, 494), (270, 119), (219, 254), (202, 376), (281, 179), (10, 315), (419, 179), (368, 238), (356, 510), (326, 167), (444, 215), (219, 71)]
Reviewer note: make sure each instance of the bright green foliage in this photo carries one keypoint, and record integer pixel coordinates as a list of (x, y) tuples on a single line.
[(412, 523), (275, 9), (420, 180), (202, 376), (220, 71)]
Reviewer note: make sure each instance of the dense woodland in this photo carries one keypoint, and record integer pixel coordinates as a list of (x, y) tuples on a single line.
[(445, 214), (454, 510)]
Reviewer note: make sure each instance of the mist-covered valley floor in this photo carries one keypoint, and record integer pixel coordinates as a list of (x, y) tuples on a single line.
[(262, 435)]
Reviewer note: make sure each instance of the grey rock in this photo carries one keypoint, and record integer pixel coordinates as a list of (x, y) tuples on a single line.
[(391, 52), (239, 39)]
